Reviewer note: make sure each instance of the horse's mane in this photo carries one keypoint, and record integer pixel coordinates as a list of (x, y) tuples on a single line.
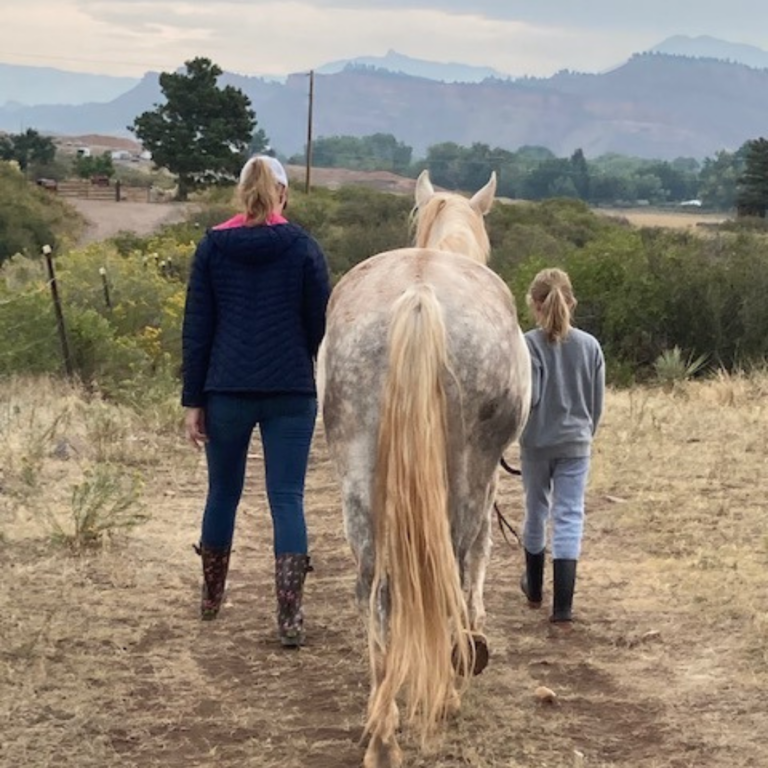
[(447, 222)]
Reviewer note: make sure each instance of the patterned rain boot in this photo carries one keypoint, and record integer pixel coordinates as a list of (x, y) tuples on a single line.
[(533, 578), (215, 567), (290, 572)]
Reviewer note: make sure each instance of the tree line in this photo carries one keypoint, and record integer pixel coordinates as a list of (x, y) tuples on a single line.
[(536, 173)]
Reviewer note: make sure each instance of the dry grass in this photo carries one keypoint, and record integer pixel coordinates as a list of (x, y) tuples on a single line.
[(103, 661), (649, 217)]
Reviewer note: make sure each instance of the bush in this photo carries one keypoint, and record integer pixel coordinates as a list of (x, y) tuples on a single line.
[(106, 502), (115, 347), (31, 217), (641, 292)]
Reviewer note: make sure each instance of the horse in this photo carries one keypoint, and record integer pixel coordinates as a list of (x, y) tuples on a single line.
[(424, 378)]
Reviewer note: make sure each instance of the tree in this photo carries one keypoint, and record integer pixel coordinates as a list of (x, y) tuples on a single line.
[(202, 132), (377, 152), (548, 179), (444, 162), (27, 148), (259, 143), (100, 165), (580, 174), (752, 198)]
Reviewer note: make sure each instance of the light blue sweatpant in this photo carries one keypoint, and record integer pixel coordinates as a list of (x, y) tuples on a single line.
[(556, 488)]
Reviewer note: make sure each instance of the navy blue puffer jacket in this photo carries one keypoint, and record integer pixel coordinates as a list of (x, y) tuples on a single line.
[(255, 312)]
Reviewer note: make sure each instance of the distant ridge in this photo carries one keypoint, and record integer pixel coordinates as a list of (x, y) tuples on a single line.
[(22, 85), (705, 47), (395, 62)]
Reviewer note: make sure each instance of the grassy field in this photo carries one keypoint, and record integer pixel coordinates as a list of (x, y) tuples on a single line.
[(649, 217), (103, 661)]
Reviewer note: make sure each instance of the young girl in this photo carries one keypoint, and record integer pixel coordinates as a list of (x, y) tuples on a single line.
[(566, 404)]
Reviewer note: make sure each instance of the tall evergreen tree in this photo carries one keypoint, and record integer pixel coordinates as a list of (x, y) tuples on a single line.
[(202, 132), (580, 174), (752, 198)]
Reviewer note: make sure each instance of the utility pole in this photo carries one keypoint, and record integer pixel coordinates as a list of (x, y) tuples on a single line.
[(309, 128)]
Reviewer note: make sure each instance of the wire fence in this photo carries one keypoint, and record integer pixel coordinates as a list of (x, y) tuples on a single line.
[(106, 320)]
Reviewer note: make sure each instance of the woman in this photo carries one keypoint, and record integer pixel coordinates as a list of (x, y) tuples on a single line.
[(567, 402), (253, 322)]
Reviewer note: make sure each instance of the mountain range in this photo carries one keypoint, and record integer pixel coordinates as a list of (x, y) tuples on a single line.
[(663, 104)]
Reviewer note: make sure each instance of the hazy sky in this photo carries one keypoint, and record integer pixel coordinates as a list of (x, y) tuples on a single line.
[(129, 37)]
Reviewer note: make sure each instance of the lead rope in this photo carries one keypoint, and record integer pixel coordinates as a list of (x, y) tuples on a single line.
[(504, 524)]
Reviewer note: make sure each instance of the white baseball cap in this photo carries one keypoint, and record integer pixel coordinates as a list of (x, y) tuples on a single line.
[(281, 177)]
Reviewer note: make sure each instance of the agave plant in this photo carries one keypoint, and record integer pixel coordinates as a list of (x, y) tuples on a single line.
[(673, 368)]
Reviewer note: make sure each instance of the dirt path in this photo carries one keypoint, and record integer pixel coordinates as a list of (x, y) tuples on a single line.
[(106, 664), (105, 218)]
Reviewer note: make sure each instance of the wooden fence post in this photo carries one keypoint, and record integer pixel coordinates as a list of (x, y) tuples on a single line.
[(59, 314)]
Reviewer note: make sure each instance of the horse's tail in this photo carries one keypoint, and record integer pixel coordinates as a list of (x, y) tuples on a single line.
[(416, 580)]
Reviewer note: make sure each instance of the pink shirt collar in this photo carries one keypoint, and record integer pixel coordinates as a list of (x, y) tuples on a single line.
[(240, 220)]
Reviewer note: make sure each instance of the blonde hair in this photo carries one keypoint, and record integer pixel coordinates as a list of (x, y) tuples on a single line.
[(551, 298), (259, 192)]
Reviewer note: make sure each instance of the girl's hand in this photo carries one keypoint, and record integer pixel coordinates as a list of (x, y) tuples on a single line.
[(194, 422)]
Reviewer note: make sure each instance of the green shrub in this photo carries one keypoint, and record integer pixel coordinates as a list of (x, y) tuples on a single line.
[(641, 292), (31, 217)]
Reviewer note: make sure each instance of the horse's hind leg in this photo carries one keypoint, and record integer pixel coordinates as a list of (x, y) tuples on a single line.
[(477, 559), (478, 556), (383, 750), (383, 717)]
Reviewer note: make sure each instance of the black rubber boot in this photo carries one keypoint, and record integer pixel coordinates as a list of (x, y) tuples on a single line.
[(532, 580), (290, 572), (564, 585), (215, 568)]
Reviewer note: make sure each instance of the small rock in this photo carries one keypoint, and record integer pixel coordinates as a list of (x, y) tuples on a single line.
[(62, 450), (545, 695)]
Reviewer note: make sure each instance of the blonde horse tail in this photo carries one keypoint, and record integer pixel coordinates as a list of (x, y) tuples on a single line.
[(416, 578)]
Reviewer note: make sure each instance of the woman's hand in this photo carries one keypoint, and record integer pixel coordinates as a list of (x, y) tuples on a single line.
[(194, 421)]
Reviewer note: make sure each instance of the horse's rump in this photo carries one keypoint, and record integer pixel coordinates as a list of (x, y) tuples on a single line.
[(486, 387)]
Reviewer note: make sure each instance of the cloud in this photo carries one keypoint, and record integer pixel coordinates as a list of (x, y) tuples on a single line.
[(280, 37), (680, 16), (277, 37)]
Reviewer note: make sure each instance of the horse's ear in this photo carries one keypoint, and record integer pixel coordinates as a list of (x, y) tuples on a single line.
[(482, 200), (424, 189)]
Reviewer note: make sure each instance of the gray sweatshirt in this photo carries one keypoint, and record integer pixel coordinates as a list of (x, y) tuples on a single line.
[(568, 385)]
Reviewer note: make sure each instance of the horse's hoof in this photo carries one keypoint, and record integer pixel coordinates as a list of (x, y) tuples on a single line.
[(482, 654)]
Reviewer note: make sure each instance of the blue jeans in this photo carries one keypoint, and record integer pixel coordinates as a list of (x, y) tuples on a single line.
[(286, 424), (555, 487)]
